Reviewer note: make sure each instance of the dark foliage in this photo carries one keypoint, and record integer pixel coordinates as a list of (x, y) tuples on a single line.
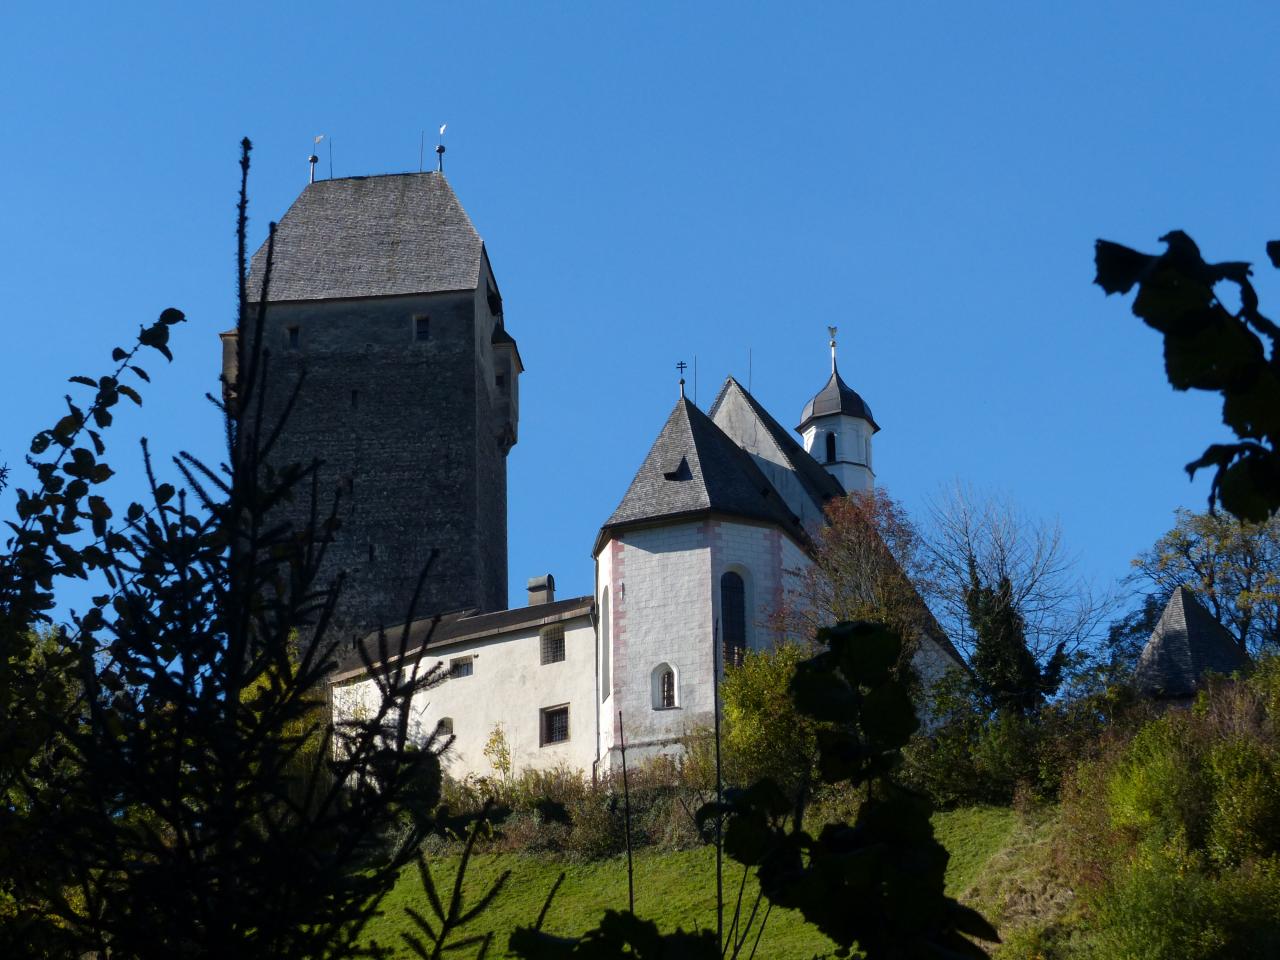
[(172, 784), (1208, 347)]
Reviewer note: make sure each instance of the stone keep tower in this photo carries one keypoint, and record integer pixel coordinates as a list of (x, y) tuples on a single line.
[(837, 427), (382, 301)]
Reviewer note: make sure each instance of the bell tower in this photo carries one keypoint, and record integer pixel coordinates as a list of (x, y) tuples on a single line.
[(837, 427)]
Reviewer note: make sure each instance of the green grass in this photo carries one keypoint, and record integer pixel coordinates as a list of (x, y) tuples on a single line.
[(673, 889)]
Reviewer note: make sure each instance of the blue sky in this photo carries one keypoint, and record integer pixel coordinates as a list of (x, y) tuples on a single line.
[(663, 181)]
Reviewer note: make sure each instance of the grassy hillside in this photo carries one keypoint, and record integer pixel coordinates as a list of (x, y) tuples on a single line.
[(674, 889)]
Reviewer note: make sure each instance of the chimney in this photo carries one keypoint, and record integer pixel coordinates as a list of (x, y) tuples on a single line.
[(541, 589)]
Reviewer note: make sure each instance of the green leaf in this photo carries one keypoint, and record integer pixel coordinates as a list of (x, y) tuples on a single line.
[(131, 393), (867, 651), (141, 373), (88, 382), (164, 493), (117, 355), (823, 696)]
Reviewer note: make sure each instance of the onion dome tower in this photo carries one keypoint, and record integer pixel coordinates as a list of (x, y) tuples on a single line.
[(837, 427)]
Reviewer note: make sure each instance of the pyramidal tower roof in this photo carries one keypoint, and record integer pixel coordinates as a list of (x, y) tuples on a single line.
[(375, 236), (1186, 644), (694, 468)]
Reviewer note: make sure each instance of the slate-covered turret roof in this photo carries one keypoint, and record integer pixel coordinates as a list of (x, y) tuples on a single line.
[(694, 468), (371, 237), (1186, 644), (837, 397), (817, 482)]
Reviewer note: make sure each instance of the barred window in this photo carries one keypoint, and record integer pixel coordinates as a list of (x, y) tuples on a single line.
[(461, 667), (555, 724), (445, 727), (553, 643), (421, 328), (667, 695), (295, 337)]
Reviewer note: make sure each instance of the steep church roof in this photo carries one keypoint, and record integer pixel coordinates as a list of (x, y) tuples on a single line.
[(817, 482), (837, 397), (1186, 644), (371, 237), (694, 468)]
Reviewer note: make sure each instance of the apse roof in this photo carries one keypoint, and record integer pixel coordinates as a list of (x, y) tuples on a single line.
[(837, 397), (692, 468), (1187, 643), (374, 236)]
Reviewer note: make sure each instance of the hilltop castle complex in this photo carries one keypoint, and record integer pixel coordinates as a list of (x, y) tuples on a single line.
[(386, 316)]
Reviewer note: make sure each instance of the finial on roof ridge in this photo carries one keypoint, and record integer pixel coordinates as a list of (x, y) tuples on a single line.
[(832, 332), (682, 366)]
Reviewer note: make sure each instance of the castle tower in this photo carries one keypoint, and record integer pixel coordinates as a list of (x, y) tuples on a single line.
[(383, 305), (837, 427)]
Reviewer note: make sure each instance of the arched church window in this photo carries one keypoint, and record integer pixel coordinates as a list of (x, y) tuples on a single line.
[(445, 727), (831, 448), (663, 683), (733, 617)]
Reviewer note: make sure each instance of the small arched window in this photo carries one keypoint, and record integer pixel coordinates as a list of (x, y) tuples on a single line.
[(445, 727), (663, 682), (733, 617), (831, 448)]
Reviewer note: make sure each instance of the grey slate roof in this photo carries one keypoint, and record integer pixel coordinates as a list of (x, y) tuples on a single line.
[(1186, 643), (692, 468), (819, 484), (371, 237), (837, 397), (451, 628)]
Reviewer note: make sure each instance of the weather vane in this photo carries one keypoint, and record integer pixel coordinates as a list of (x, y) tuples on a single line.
[(832, 332), (440, 150)]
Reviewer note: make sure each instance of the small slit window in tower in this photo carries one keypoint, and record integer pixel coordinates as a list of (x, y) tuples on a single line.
[(831, 448), (500, 381), (355, 399), (373, 555), (555, 724), (667, 691), (733, 618), (552, 643), (461, 667), (421, 328), (445, 727), (295, 337)]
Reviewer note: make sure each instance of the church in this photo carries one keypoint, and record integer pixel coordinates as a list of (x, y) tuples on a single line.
[(384, 311)]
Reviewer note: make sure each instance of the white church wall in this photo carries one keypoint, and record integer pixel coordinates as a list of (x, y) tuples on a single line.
[(508, 686), (659, 581), (852, 466), (761, 555)]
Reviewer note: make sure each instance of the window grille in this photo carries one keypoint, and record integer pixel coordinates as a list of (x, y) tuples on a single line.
[(295, 337), (555, 725), (461, 667), (553, 644), (667, 694), (421, 328), (445, 727)]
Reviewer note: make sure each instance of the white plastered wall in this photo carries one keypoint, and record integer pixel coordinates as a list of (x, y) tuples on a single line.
[(509, 686)]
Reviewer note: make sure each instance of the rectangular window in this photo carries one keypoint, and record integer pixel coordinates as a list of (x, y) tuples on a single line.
[(355, 399), (460, 667), (552, 644), (501, 381), (421, 328), (555, 724), (295, 337)]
